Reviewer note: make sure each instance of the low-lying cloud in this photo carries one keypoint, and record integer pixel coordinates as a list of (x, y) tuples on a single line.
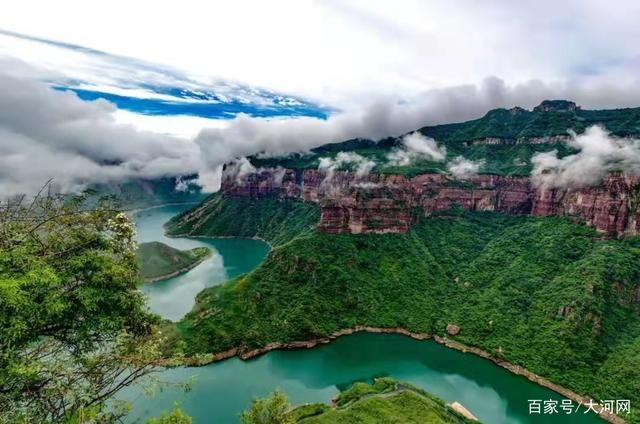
[(362, 166), (416, 146), (599, 153), (463, 168)]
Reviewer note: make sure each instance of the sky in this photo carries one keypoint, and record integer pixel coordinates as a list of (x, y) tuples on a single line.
[(211, 81)]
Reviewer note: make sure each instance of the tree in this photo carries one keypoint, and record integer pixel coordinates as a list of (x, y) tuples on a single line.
[(73, 326), (176, 416), (272, 409)]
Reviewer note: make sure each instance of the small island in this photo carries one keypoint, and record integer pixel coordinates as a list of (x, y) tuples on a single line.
[(158, 261), (384, 401)]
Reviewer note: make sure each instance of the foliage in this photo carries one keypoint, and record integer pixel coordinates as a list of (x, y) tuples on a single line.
[(272, 409), (360, 389), (384, 401), (155, 259), (73, 326), (175, 416), (275, 220)]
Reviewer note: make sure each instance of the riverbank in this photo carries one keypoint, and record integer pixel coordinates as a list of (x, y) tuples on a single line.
[(180, 271), (449, 343)]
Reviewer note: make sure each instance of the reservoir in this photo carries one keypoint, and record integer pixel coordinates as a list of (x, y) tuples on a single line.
[(220, 391)]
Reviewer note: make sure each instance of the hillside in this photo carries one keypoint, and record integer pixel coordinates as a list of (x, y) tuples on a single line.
[(543, 293), (384, 401), (157, 261), (272, 219)]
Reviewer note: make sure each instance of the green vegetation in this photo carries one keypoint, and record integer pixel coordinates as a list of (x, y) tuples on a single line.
[(512, 126), (275, 220), (274, 409), (544, 293), (384, 401), (73, 326), (157, 261), (175, 416)]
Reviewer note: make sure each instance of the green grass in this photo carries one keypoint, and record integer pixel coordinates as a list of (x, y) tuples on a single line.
[(156, 259), (275, 220), (393, 403)]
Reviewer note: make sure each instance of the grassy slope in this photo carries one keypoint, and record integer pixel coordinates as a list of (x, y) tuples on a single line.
[(503, 279), (275, 220), (385, 401), (510, 159), (156, 259)]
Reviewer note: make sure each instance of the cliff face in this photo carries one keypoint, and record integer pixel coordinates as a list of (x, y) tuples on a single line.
[(386, 203)]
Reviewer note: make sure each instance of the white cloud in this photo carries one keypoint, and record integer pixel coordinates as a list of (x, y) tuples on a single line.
[(415, 146), (51, 134), (363, 166), (598, 154), (463, 168)]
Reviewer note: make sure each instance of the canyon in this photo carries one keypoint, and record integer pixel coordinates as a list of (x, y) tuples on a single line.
[(388, 203)]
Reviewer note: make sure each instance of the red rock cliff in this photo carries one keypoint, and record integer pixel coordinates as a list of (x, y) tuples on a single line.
[(386, 203)]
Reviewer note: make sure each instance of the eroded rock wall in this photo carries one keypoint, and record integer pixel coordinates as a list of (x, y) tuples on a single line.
[(377, 203)]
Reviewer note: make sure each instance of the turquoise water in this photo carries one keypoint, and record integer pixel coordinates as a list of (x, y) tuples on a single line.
[(174, 297), (222, 390)]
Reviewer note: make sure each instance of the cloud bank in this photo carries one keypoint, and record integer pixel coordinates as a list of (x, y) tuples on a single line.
[(50, 134), (599, 153)]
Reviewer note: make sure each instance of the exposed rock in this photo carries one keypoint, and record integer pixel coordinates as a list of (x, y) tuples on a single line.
[(555, 106), (456, 406), (453, 329), (387, 203)]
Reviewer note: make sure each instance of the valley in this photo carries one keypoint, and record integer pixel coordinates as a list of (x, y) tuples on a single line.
[(539, 277)]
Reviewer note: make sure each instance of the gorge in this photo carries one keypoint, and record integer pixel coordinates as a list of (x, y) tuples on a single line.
[(491, 259)]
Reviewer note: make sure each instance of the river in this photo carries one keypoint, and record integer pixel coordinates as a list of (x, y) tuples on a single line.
[(222, 390)]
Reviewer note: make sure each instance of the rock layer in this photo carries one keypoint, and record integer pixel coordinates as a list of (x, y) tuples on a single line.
[(378, 203)]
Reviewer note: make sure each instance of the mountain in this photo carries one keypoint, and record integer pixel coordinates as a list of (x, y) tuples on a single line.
[(541, 279), (157, 261)]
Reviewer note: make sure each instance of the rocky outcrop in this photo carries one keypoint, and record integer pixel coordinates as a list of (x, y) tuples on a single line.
[(553, 139), (453, 329), (378, 203)]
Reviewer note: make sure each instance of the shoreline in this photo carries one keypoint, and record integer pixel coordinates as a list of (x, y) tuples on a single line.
[(178, 272), (446, 342)]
